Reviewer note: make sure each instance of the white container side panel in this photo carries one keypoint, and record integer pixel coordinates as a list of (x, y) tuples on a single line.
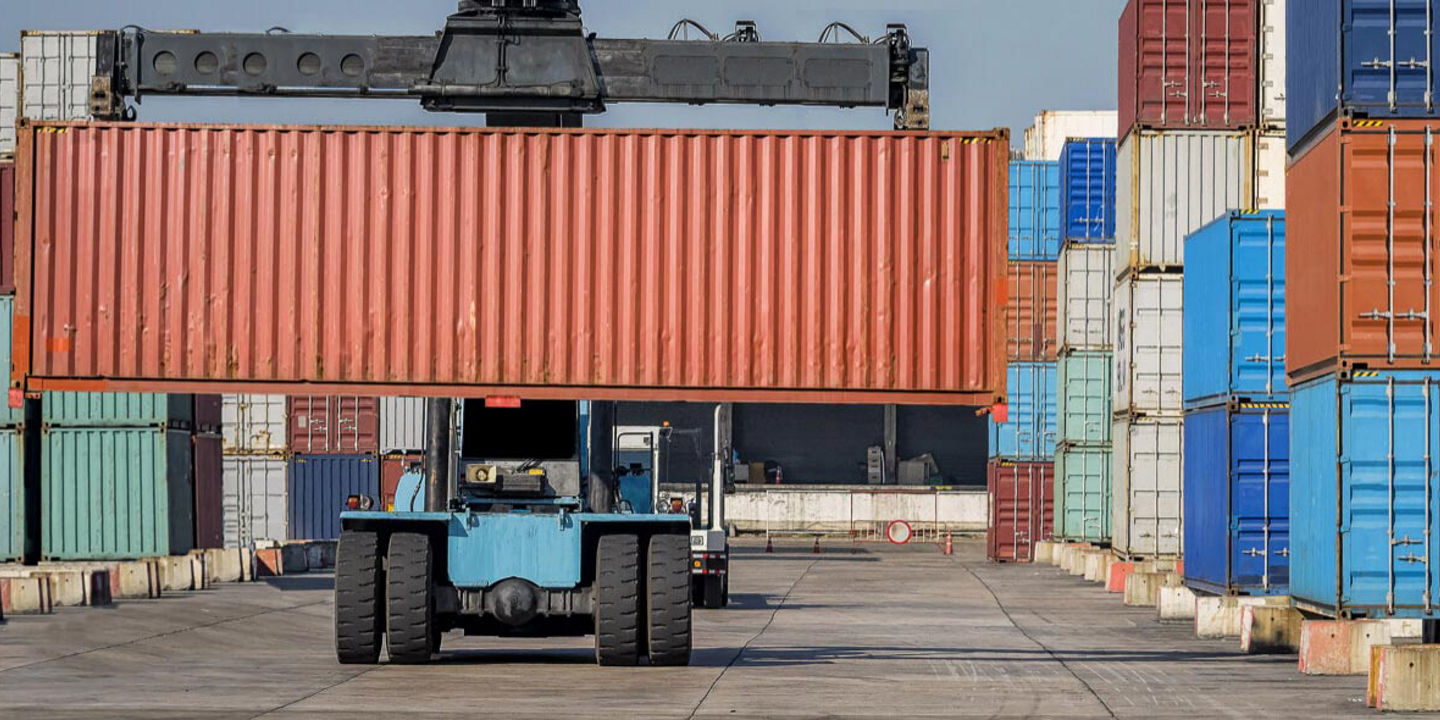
[(1271, 158), (1046, 137), (253, 424), (1272, 64), (254, 498), (1172, 183), (1149, 313), (402, 424), (9, 101), (1147, 501), (55, 73), (1086, 276)]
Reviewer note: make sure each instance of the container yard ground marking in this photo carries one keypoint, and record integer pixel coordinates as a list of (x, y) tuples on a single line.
[(1041, 645), (752, 639)]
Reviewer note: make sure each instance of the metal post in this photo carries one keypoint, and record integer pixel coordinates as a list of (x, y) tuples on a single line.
[(1269, 305), (1265, 474), (1426, 599), (439, 416), (1429, 229), (1390, 496), (1394, 98), (892, 432)]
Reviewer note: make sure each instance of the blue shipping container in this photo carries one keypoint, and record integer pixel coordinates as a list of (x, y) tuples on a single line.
[(1087, 190), (1234, 326), (1029, 432), (1378, 54), (1237, 499), (318, 486), (1034, 210), (1363, 494)]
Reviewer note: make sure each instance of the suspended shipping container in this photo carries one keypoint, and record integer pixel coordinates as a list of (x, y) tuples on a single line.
[(55, 71), (1034, 210), (1046, 137), (9, 101), (1030, 315), (402, 425), (1083, 406), (1082, 493), (1087, 279), (209, 485), (1149, 344), (318, 487), (255, 505), (1146, 500), (391, 468), (13, 535), (1237, 499), (1021, 509), (253, 424), (333, 425), (1234, 326), (7, 227), (1363, 523), (1028, 432), (1362, 254), (1360, 59), (1087, 190), (115, 493), (1188, 64)]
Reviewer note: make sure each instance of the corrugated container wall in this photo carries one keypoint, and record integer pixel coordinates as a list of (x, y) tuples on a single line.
[(1087, 282), (1087, 190), (1362, 259), (255, 506), (864, 267), (55, 70), (7, 227), (209, 413), (209, 483), (115, 493), (1046, 137), (9, 417), (402, 425), (1234, 326), (333, 425), (1363, 529), (1029, 431), (253, 424), (1147, 496), (1030, 316), (12, 495), (104, 409), (9, 101), (1274, 56), (1021, 509), (1149, 344), (1083, 409), (1083, 493), (1034, 210), (318, 487), (1360, 59), (1188, 64), (1237, 499)]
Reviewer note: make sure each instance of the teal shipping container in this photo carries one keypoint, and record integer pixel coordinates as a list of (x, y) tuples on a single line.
[(90, 410), (1083, 405), (12, 494), (9, 417), (1082, 493), (115, 493)]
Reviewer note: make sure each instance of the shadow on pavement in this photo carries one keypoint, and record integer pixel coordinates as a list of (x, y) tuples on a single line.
[(289, 583)]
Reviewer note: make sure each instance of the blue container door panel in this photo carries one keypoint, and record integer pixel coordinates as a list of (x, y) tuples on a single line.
[(318, 487), (1381, 74), (1029, 431), (1034, 210), (1257, 309), (1260, 499), (1207, 517), (1087, 189)]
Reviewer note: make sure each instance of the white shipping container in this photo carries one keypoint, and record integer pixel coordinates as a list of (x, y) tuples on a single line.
[(1149, 311), (252, 424), (1171, 183), (254, 497), (1147, 500), (55, 73), (1271, 160), (402, 425), (1272, 64), (1046, 137), (9, 101), (1086, 276)]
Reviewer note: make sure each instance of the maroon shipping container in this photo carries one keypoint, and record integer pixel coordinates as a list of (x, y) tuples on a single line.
[(209, 491), (1189, 64), (1022, 506), (391, 468), (208, 413), (1358, 269), (7, 227), (1033, 312), (344, 425), (797, 266)]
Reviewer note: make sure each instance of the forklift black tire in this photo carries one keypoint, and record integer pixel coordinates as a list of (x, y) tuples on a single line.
[(697, 591), (714, 592), (359, 606), (617, 601), (409, 600), (667, 600)]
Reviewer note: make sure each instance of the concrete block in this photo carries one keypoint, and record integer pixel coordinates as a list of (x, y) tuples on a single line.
[(1166, 565), (1143, 589), (68, 588), (1071, 554), (135, 580), (1407, 678), (1175, 604), (1044, 552), (25, 596), (228, 564), (1342, 647), (293, 558), (178, 573), (1095, 564), (1223, 616), (267, 562), (1270, 630), (1078, 560), (1115, 575)]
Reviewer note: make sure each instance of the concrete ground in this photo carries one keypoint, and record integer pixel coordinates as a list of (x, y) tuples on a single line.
[(903, 633)]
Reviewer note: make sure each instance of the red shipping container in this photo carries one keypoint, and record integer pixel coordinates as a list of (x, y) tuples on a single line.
[(7, 227), (1022, 507), (1358, 271), (209, 491), (208, 413), (391, 468), (1032, 315), (1189, 64), (343, 425), (797, 266)]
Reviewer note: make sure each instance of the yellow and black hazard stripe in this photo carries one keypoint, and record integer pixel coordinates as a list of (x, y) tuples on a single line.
[(1365, 374), (1367, 123), (1264, 406)]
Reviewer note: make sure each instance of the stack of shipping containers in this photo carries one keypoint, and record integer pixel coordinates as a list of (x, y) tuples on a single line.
[(1360, 265), (1082, 455), (1020, 475), (335, 453), (255, 469), (1201, 102), (14, 540)]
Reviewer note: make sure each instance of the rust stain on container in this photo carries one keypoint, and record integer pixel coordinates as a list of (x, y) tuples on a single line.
[(1031, 315), (602, 264)]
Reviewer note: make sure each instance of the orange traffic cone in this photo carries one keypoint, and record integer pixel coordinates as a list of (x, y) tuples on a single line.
[(949, 544), (769, 546)]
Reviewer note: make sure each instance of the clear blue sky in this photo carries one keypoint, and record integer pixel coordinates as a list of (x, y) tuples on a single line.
[(993, 62)]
